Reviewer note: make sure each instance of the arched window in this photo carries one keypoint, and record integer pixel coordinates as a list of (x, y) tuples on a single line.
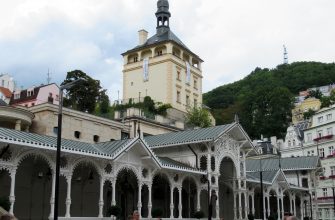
[(289, 143)]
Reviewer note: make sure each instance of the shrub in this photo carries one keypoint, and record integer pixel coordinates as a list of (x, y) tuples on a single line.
[(199, 214), (157, 213), (4, 203), (114, 210)]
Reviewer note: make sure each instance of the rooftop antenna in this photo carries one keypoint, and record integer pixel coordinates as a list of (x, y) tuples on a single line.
[(48, 77), (285, 55)]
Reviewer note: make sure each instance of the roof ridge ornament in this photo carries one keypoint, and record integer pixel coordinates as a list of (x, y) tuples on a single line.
[(236, 119)]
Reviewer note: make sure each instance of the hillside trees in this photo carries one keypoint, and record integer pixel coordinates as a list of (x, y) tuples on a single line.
[(254, 98)]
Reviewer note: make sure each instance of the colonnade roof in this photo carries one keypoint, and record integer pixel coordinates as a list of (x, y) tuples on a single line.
[(288, 163), (187, 137), (106, 150)]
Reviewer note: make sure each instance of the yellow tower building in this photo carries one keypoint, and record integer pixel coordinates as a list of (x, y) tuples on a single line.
[(163, 67)]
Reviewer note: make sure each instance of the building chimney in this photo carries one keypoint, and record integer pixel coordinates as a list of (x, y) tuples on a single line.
[(143, 36)]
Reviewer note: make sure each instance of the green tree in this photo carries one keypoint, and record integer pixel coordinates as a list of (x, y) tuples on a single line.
[(198, 117), (315, 94), (327, 101), (85, 95), (309, 114), (229, 99)]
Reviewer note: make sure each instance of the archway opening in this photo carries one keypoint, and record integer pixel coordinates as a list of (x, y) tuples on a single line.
[(33, 189), (176, 203), (85, 191), (126, 192), (286, 201), (298, 206), (161, 194), (107, 197), (5, 181), (226, 188), (189, 194), (273, 204), (204, 201), (145, 201)]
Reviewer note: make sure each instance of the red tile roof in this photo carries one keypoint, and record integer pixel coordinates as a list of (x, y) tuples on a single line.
[(6, 92)]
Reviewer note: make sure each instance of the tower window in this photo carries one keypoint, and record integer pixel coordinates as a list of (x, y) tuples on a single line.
[(135, 59), (178, 96), (96, 138), (187, 100), (178, 75), (159, 53), (195, 84), (77, 134)]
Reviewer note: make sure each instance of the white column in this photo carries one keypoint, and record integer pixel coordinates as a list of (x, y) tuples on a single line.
[(68, 196), (246, 204), (139, 202), (180, 206), (294, 207), (198, 199), (52, 199), (113, 192), (101, 197), (291, 203), (149, 202), (18, 125), (239, 203), (171, 201), (12, 190), (253, 203)]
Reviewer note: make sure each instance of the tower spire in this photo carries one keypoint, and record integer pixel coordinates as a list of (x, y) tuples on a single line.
[(285, 55), (163, 16)]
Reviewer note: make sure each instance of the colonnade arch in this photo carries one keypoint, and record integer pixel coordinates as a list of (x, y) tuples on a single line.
[(85, 190), (189, 197), (227, 195), (126, 192), (161, 191), (33, 188)]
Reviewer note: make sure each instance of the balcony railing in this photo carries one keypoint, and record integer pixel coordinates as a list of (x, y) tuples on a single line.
[(323, 138)]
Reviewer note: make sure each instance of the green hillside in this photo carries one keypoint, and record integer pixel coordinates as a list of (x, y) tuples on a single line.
[(264, 99)]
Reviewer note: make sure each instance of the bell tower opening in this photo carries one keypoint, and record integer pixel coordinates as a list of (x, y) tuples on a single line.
[(163, 16)]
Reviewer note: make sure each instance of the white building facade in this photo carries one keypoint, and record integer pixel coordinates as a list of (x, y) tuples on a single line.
[(318, 140)]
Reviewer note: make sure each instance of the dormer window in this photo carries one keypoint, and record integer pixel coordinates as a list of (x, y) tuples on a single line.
[(17, 95), (30, 92)]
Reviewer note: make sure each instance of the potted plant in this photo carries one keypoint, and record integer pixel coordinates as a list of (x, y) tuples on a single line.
[(199, 214), (114, 211), (157, 213), (251, 217), (4, 203)]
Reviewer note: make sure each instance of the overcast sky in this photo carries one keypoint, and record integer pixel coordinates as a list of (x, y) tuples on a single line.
[(232, 37)]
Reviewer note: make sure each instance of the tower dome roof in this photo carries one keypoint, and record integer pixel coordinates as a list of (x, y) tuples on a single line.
[(163, 3), (163, 6)]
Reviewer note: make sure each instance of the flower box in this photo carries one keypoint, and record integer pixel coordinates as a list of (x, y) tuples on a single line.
[(322, 177), (327, 137), (332, 176)]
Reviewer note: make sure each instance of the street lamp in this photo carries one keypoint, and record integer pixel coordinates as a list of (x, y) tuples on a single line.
[(59, 140)]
